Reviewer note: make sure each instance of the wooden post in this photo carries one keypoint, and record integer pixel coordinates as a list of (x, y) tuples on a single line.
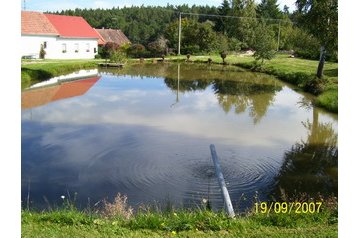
[(220, 176)]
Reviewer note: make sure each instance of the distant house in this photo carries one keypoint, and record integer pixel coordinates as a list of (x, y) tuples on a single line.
[(62, 37), (112, 35)]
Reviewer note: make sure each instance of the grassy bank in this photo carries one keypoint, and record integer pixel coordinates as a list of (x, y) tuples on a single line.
[(44, 69), (299, 72), (73, 223)]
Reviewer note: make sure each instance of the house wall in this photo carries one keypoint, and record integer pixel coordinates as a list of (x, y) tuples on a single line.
[(87, 48), (30, 44)]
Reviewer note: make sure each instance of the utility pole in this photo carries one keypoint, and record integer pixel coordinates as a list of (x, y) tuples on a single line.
[(179, 35), (24, 5)]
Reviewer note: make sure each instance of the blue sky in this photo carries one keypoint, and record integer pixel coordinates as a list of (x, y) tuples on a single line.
[(54, 5)]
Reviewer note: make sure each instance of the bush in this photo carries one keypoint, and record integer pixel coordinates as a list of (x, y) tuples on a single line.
[(118, 56), (108, 48), (42, 52), (234, 44), (159, 46), (191, 49), (223, 55), (136, 50)]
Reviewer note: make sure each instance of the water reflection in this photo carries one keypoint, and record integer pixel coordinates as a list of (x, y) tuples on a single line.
[(54, 91), (255, 92), (145, 131), (311, 166)]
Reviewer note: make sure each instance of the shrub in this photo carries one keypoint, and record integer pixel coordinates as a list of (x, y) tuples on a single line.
[(119, 207), (223, 55), (42, 52), (234, 44), (136, 50), (108, 48), (118, 56), (159, 46)]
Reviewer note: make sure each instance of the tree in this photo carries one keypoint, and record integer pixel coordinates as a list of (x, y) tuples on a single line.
[(269, 9), (223, 23), (248, 23), (320, 18), (159, 46), (264, 44)]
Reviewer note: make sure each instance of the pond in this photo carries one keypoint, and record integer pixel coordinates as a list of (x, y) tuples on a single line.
[(145, 131)]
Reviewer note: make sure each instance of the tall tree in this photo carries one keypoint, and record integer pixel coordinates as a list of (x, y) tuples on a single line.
[(269, 9), (223, 23), (248, 23), (320, 18)]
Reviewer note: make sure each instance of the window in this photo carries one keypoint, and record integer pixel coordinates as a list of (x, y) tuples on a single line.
[(77, 47), (64, 48), (45, 44), (95, 50), (87, 47)]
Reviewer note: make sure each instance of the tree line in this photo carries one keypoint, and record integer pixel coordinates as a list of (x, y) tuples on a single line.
[(311, 30)]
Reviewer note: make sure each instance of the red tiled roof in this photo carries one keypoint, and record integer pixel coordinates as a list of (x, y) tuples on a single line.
[(36, 23), (72, 26), (112, 35), (42, 96)]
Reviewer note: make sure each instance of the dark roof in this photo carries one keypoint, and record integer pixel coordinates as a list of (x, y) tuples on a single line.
[(35, 23), (113, 35)]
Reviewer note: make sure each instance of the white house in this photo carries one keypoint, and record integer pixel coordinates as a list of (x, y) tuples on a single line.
[(62, 37)]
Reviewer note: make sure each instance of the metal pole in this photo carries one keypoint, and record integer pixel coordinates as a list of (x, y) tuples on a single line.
[(278, 37), (179, 35), (222, 184), (178, 82)]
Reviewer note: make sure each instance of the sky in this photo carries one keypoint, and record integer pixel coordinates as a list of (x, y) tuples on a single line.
[(57, 5)]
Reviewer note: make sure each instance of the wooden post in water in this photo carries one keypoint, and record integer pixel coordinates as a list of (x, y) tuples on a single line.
[(220, 176)]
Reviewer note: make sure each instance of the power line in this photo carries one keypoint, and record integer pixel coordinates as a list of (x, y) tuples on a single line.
[(237, 17)]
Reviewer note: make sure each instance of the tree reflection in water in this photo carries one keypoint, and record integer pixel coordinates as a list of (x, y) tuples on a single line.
[(311, 166), (242, 95), (247, 91)]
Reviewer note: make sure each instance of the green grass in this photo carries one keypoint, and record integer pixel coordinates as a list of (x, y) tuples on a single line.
[(299, 72), (201, 223)]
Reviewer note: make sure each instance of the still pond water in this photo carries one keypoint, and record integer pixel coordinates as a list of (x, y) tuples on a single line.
[(145, 131)]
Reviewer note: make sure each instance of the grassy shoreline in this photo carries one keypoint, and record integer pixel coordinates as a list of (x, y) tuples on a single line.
[(299, 72), (40, 70), (197, 223)]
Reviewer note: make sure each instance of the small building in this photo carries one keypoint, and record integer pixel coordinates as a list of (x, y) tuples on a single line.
[(112, 35), (62, 37)]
